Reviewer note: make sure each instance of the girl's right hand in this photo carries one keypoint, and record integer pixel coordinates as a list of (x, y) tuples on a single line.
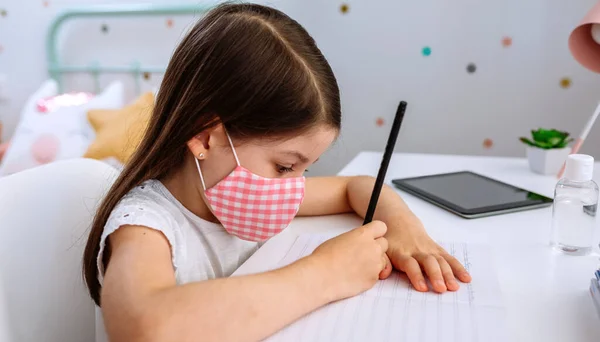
[(355, 260)]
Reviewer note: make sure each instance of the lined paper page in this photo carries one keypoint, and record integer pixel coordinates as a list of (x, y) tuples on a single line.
[(393, 311)]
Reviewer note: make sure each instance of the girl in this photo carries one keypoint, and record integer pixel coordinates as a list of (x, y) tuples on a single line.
[(247, 103)]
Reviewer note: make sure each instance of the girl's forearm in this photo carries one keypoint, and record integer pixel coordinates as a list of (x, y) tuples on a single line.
[(390, 206), (244, 308)]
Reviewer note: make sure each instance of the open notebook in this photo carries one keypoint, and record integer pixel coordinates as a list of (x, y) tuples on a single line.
[(393, 311)]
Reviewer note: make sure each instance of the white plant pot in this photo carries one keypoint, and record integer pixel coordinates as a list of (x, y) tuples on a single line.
[(547, 162)]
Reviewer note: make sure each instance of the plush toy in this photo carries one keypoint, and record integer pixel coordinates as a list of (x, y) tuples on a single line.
[(54, 126), (119, 132)]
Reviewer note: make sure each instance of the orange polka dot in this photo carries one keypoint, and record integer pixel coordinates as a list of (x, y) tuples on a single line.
[(344, 8), (565, 82), (169, 22), (45, 3), (506, 41), (488, 143), (379, 122)]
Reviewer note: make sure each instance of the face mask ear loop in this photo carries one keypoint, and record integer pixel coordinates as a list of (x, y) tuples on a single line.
[(200, 173), (237, 160)]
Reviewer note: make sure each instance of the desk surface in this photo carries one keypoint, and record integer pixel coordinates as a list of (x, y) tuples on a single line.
[(546, 294)]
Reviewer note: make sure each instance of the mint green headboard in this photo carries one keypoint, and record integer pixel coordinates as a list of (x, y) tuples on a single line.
[(56, 68)]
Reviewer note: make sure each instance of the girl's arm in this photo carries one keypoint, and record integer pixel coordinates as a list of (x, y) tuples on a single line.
[(410, 248), (141, 302)]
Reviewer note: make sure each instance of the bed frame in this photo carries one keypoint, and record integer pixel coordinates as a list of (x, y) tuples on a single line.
[(57, 69)]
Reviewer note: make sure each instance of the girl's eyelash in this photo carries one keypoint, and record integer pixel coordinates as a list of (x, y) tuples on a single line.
[(283, 169)]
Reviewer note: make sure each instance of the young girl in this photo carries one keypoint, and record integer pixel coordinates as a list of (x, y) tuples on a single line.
[(247, 103)]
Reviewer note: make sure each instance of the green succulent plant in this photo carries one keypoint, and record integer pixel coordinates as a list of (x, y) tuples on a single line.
[(547, 139)]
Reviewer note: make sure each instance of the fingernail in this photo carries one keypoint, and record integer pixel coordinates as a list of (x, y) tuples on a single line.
[(440, 284), (453, 283), (422, 284)]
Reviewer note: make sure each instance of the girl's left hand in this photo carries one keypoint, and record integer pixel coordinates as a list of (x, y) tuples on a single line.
[(412, 251)]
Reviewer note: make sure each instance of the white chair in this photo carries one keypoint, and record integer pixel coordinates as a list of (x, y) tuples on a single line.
[(5, 330), (45, 215)]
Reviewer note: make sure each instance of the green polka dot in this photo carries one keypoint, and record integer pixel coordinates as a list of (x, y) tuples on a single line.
[(426, 51)]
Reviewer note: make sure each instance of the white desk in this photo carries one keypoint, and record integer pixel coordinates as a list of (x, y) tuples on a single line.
[(546, 294)]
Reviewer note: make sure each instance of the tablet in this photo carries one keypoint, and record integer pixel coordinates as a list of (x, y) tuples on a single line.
[(471, 195)]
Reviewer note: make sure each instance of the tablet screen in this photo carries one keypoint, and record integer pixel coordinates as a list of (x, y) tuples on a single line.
[(470, 192)]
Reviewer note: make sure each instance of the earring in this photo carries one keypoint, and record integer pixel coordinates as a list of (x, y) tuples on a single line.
[(201, 155)]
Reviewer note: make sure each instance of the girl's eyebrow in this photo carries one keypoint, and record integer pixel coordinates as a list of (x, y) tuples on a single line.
[(300, 156)]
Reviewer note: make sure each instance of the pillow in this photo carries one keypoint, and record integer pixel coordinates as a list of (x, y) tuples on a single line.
[(119, 132), (62, 133)]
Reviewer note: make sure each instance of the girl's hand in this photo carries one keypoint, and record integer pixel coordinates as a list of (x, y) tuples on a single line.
[(412, 251), (354, 261)]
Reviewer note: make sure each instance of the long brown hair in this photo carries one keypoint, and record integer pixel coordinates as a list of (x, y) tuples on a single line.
[(249, 67)]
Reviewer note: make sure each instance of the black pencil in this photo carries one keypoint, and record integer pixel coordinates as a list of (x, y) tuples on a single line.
[(387, 155)]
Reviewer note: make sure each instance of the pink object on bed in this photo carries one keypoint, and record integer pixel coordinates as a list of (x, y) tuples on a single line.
[(3, 148), (52, 103), (45, 148)]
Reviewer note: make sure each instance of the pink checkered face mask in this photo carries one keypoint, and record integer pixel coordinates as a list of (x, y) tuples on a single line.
[(252, 207)]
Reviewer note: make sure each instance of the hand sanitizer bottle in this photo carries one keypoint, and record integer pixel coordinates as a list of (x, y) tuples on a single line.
[(574, 207)]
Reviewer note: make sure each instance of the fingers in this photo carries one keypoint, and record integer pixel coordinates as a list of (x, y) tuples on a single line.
[(383, 243), (434, 272), (386, 264), (387, 268), (447, 273), (376, 228), (457, 268), (411, 267)]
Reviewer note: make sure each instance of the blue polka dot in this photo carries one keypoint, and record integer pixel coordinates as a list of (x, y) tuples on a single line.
[(426, 51)]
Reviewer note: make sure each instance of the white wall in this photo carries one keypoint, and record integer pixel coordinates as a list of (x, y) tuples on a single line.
[(375, 50)]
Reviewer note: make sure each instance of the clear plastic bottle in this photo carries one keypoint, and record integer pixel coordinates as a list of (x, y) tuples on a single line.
[(574, 207)]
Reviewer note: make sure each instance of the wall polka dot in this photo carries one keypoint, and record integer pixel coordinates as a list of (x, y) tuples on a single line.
[(344, 8), (506, 41), (488, 143), (565, 82), (1, 48), (146, 75), (169, 23), (426, 51), (3, 12), (471, 68), (45, 3), (380, 122), (104, 28)]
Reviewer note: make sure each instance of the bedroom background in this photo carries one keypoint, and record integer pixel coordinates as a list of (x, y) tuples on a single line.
[(476, 75)]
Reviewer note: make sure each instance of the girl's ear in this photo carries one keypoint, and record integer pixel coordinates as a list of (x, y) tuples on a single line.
[(199, 145)]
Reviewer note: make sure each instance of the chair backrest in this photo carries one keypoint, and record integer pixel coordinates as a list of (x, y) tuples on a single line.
[(5, 330), (45, 215)]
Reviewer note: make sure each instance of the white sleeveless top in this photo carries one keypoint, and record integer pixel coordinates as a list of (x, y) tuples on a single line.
[(201, 250)]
